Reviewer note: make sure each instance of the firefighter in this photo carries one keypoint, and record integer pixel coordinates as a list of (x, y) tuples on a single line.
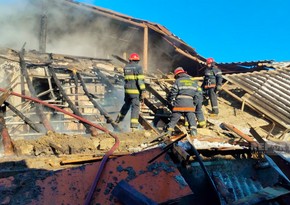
[(182, 98), (134, 90), (212, 83), (198, 109)]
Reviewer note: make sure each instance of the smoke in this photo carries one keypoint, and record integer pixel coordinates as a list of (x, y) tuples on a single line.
[(70, 30), (17, 24), (74, 29)]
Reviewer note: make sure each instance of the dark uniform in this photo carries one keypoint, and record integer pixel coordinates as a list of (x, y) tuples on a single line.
[(212, 82), (181, 96), (134, 86), (198, 108)]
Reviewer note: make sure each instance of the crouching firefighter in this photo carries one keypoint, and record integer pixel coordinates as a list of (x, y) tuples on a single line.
[(134, 88), (182, 96), (212, 83)]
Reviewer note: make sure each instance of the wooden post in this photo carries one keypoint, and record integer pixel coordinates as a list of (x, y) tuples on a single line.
[(145, 50), (43, 33)]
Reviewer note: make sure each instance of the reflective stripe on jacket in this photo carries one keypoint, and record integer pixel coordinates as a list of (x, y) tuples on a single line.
[(182, 94), (212, 77), (134, 78)]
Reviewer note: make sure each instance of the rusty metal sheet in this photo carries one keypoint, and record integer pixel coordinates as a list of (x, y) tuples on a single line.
[(160, 181)]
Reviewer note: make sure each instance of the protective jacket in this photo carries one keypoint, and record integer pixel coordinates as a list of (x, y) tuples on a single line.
[(212, 77), (212, 80), (182, 94), (134, 86), (134, 79)]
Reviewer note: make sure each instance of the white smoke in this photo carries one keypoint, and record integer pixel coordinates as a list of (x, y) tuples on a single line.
[(17, 24), (70, 29), (74, 29)]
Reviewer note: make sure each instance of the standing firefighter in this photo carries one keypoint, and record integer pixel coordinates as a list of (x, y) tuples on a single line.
[(134, 89), (182, 98), (212, 83)]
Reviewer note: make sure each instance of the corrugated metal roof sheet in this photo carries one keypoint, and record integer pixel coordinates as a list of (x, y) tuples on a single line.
[(267, 91), (244, 67)]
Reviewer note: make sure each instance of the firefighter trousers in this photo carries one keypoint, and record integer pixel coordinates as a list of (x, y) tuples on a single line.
[(198, 109), (133, 102), (190, 117), (213, 100)]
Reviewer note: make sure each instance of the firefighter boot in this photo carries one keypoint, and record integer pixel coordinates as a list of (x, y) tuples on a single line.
[(134, 129), (192, 134), (167, 132), (215, 110), (119, 118), (202, 124)]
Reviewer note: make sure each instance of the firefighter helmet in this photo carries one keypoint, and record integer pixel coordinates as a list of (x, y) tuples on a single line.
[(178, 71), (134, 57), (209, 60)]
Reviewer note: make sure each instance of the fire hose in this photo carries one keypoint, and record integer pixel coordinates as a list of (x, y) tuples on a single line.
[(106, 156)]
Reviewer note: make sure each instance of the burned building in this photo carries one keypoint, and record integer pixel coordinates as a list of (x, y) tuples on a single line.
[(61, 63)]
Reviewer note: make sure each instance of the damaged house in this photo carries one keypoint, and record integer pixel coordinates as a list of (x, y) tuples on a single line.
[(62, 88)]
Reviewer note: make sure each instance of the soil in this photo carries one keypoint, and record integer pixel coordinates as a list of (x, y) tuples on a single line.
[(49, 151)]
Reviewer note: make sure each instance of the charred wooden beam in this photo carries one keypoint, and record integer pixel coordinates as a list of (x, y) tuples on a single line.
[(97, 105), (35, 58), (39, 107), (181, 154), (76, 91), (43, 33), (120, 59), (168, 147), (241, 134), (150, 89), (159, 110), (146, 124), (23, 117), (70, 103), (104, 79)]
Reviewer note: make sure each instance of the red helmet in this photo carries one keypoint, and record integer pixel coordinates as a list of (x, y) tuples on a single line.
[(209, 60), (178, 71), (134, 57)]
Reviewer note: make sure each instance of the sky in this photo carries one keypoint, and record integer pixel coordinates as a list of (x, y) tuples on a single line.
[(227, 30)]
